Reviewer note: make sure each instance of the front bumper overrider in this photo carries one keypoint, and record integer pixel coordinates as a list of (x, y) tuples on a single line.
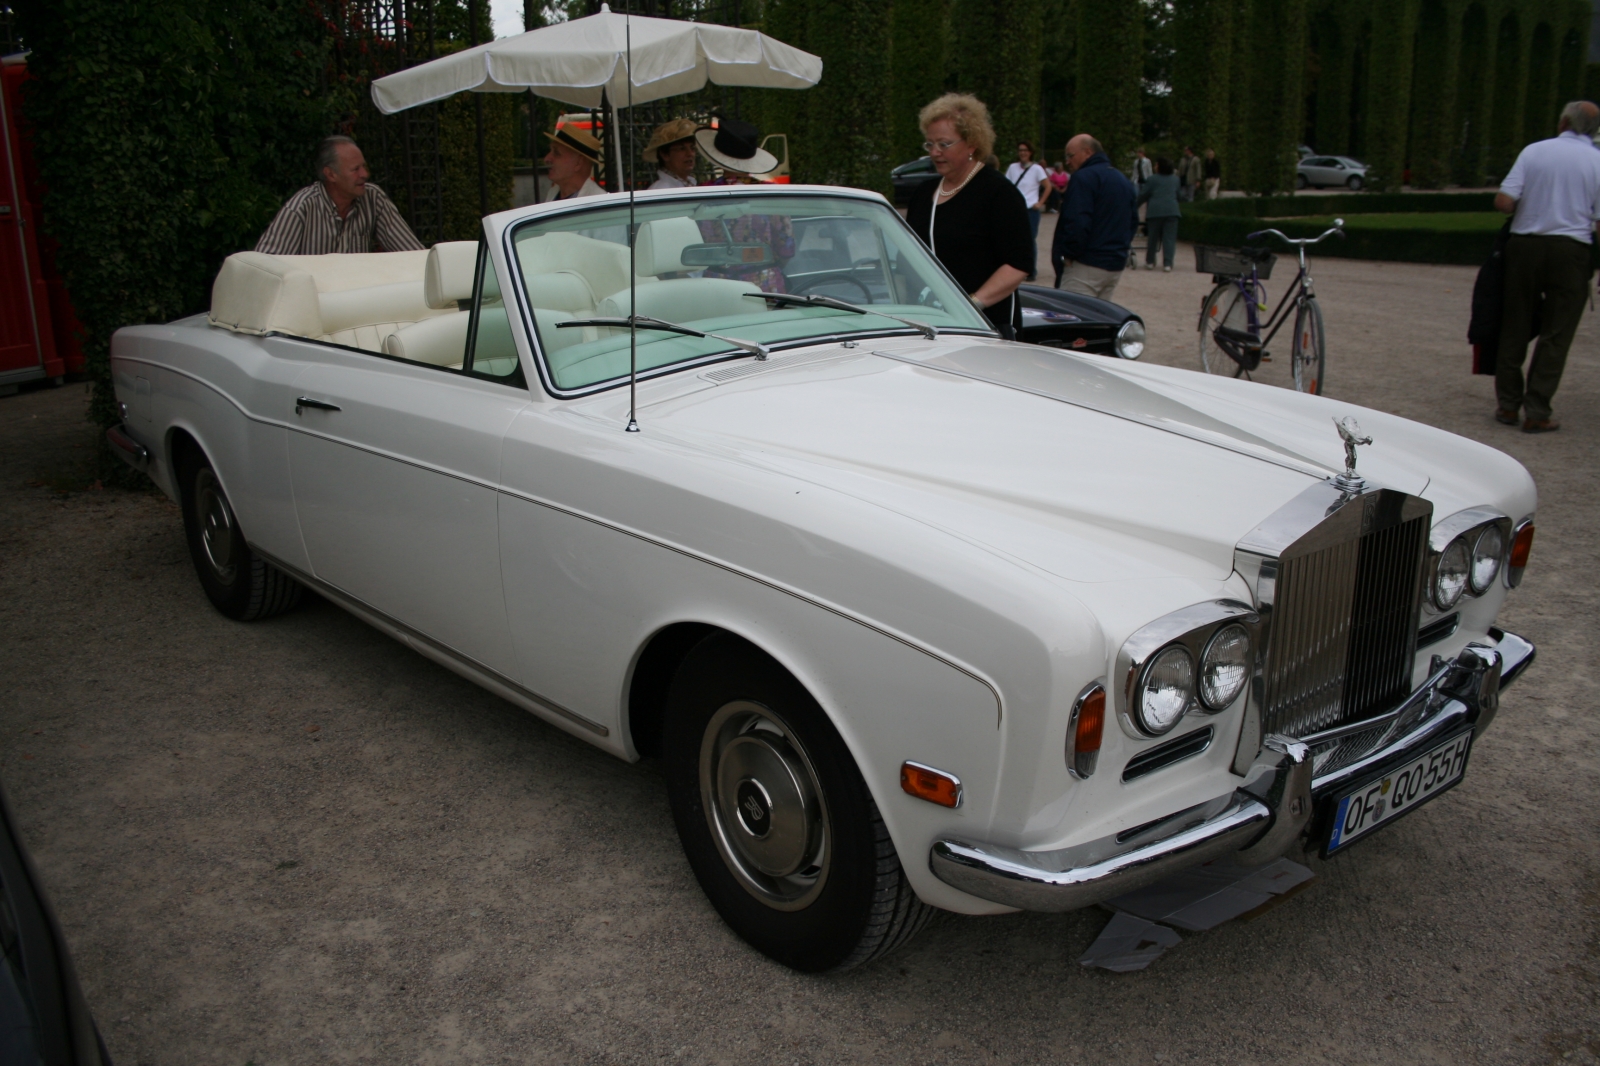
[(1256, 822)]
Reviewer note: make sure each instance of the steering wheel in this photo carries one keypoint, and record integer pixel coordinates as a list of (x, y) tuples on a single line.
[(798, 286)]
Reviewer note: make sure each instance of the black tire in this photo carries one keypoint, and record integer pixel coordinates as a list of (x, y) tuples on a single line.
[(1355, 183), (1224, 307), (833, 895), (1300, 181), (1309, 351), (237, 581)]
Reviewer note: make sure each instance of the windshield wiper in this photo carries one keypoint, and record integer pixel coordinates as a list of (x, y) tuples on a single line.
[(839, 305), (760, 351)]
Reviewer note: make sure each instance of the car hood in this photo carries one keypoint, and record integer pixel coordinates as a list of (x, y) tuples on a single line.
[(1085, 468)]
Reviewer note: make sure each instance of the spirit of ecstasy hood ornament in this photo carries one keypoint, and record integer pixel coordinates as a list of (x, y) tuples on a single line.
[(1350, 430)]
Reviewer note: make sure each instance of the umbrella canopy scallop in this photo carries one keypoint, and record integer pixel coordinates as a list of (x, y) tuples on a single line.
[(576, 61)]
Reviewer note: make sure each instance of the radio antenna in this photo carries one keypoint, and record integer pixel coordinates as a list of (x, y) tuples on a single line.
[(633, 246)]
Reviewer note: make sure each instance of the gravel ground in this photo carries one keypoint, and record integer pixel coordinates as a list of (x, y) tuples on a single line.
[(298, 842)]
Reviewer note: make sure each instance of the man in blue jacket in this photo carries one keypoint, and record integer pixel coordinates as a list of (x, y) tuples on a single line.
[(1097, 221)]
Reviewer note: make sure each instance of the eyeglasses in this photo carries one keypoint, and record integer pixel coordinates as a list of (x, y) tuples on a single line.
[(943, 146)]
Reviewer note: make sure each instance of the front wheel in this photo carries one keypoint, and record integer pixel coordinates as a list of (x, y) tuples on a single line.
[(237, 581), (1309, 348), (1355, 183), (774, 817), (1224, 307)]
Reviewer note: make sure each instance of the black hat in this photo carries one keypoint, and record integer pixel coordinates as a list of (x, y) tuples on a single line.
[(735, 145)]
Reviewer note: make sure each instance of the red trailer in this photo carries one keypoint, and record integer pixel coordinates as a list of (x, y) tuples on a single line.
[(39, 335)]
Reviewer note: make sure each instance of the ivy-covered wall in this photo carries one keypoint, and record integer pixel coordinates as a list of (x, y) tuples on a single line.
[(919, 69), (997, 49), (1110, 67), (168, 133)]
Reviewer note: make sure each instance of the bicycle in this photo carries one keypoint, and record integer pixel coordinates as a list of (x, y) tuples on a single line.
[(1231, 340)]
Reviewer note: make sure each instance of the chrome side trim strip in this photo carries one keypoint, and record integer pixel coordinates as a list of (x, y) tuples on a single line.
[(469, 668)]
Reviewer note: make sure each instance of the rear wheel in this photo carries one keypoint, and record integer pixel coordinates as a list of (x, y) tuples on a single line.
[(1300, 181), (774, 817), (1308, 348), (1224, 307), (237, 581)]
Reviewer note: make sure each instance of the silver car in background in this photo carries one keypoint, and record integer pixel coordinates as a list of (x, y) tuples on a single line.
[(1322, 171)]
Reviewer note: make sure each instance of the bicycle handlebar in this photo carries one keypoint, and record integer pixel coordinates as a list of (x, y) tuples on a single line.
[(1338, 227)]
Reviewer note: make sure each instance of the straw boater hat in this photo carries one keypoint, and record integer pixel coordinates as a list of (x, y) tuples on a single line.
[(668, 133), (735, 145), (579, 140)]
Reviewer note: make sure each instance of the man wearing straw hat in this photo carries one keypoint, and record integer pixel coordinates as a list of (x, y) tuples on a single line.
[(672, 149), (573, 154)]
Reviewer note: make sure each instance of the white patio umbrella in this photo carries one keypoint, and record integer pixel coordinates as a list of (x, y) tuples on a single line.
[(574, 62)]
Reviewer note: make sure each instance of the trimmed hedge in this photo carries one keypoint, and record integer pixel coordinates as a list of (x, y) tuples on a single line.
[(1361, 204), (1460, 237)]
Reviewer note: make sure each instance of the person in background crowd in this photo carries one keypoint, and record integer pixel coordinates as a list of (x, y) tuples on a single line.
[(340, 212), (1211, 170), (672, 148), (734, 146), (1098, 218), (1191, 172), (1160, 192), (1058, 186), (1141, 167), (1030, 179), (972, 219), (1553, 197), (571, 161)]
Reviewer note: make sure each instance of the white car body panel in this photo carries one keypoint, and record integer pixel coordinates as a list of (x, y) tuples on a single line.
[(944, 562)]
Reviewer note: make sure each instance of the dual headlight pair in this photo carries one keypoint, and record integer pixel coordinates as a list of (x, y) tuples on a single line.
[(1199, 658), (1472, 549)]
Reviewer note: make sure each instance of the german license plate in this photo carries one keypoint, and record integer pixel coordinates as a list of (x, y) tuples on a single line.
[(1399, 792)]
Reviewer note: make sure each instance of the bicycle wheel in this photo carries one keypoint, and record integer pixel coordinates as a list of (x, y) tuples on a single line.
[(1224, 307), (1309, 348)]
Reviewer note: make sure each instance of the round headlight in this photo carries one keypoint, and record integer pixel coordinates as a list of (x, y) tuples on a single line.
[(1486, 556), (1130, 339), (1165, 690), (1450, 577), (1225, 667)]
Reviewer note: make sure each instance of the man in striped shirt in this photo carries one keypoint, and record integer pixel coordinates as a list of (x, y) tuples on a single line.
[(343, 212)]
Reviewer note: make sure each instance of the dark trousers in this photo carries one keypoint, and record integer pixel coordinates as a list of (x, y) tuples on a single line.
[(1556, 270), (1163, 233)]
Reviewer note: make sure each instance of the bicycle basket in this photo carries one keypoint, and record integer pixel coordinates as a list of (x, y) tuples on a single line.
[(1230, 262)]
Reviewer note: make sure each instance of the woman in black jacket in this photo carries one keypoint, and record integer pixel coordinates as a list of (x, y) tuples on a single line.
[(972, 219)]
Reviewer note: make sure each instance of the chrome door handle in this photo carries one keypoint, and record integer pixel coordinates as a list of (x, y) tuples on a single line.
[(306, 401)]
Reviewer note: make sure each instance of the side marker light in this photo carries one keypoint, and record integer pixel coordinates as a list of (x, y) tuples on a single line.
[(926, 783)]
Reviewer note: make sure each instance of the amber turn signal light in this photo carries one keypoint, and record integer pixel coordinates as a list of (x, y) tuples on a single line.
[(1521, 545), (1084, 731), (926, 783)]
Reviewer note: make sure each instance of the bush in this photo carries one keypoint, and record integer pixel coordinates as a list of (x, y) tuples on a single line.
[(1338, 204), (1461, 237), (167, 135)]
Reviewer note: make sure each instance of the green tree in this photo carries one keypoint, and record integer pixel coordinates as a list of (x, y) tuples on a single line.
[(839, 130), (917, 66), (997, 50), (1058, 79), (1389, 93), (168, 135), (1109, 104), (1203, 32), (1270, 114)]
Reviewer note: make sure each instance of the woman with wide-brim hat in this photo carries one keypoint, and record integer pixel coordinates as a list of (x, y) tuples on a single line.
[(735, 147), (672, 149), (574, 153), (972, 219)]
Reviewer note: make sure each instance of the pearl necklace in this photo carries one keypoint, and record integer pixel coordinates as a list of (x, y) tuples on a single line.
[(951, 192)]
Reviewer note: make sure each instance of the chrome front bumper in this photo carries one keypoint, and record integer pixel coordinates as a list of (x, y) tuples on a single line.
[(1256, 822)]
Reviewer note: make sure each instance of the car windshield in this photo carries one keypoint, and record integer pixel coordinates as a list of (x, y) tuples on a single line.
[(704, 261)]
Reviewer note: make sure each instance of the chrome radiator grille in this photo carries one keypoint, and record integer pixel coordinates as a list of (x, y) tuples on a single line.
[(1343, 625)]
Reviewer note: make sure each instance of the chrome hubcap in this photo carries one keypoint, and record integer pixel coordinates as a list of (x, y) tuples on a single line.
[(216, 525), (764, 806)]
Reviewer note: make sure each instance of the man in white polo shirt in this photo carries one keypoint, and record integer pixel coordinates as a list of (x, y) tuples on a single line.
[(1553, 197)]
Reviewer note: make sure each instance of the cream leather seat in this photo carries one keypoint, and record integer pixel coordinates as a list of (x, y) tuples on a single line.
[(355, 300)]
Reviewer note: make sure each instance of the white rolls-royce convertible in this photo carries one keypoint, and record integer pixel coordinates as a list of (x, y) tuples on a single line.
[(916, 618)]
